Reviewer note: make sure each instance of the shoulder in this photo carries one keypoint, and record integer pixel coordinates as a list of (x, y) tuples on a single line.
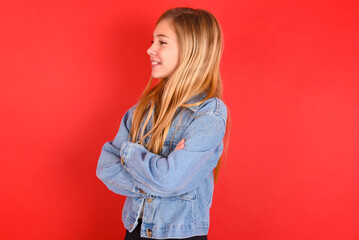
[(213, 106), (131, 110), (127, 117)]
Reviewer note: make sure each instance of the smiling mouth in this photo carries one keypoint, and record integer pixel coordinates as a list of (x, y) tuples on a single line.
[(156, 65)]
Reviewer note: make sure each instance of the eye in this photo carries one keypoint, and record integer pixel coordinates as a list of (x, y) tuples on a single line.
[(161, 42)]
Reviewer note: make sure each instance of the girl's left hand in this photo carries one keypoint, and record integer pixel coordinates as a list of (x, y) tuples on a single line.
[(180, 145)]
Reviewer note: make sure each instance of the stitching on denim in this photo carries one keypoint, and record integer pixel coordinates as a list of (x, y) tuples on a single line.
[(203, 224), (218, 109)]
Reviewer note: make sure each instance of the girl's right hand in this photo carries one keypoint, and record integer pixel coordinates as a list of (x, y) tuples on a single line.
[(180, 145)]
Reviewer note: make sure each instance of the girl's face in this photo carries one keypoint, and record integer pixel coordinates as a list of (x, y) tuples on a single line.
[(164, 51)]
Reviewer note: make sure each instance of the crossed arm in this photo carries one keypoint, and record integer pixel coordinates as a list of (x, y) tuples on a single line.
[(143, 173), (109, 169)]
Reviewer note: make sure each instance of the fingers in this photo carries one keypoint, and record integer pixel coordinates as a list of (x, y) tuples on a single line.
[(180, 145)]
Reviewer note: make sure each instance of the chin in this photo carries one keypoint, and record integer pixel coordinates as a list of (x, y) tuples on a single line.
[(159, 76)]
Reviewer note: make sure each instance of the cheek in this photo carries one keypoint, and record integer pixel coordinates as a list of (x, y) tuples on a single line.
[(170, 57), (175, 57)]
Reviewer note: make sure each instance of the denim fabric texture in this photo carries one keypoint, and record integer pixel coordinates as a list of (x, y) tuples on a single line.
[(176, 187)]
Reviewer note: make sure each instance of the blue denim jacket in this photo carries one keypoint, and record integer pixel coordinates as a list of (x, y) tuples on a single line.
[(176, 187)]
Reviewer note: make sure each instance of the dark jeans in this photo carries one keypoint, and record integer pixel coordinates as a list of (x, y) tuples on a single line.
[(136, 234)]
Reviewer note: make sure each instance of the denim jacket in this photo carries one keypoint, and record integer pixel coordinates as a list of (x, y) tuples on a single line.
[(176, 187)]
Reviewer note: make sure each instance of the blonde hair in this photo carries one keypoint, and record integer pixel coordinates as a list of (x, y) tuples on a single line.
[(200, 50)]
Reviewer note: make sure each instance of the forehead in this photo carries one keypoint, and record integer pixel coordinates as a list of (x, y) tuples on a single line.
[(164, 27)]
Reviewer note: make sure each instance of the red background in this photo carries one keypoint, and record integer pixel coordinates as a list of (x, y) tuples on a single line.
[(70, 69)]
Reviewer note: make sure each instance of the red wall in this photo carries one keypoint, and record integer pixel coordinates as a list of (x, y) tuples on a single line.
[(70, 69)]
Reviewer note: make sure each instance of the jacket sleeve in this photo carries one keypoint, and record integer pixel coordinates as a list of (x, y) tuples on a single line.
[(182, 170), (109, 168)]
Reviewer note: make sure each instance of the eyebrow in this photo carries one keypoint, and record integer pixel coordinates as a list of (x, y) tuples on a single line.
[(162, 35)]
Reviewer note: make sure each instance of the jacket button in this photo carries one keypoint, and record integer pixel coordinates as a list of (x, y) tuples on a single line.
[(149, 200), (122, 162), (141, 191), (149, 232)]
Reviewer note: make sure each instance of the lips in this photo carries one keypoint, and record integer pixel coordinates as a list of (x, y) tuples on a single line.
[(155, 64)]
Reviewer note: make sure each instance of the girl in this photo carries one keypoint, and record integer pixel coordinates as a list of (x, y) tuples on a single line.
[(168, 144)]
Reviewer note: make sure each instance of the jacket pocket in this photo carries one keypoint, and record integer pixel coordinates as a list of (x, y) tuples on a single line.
[(188, 196)]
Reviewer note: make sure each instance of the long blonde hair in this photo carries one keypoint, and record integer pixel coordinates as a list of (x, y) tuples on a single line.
[(198, 71)]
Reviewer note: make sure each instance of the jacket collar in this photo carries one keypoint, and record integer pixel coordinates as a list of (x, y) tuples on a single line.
[(196, 98)]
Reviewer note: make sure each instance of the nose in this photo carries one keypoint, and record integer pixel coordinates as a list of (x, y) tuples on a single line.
[(150, 50)]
